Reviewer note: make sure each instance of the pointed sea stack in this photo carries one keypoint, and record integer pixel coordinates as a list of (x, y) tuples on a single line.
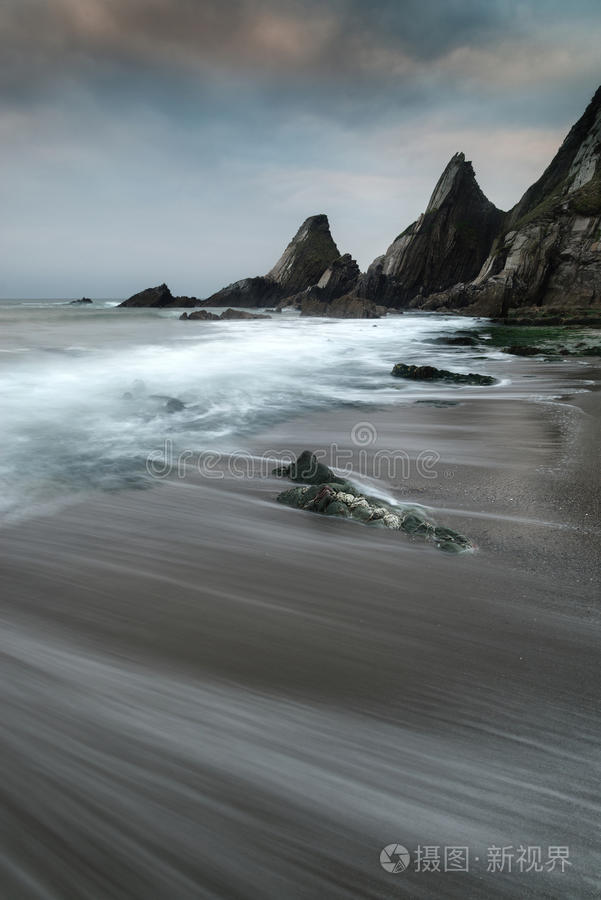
[(300, 266), (446, 245), (548, 252)]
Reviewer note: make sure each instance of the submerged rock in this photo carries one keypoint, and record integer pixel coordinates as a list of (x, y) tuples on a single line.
[(523, 350), (430, 373), (440, 404), (172, 404), (456, 341), (323, 492)]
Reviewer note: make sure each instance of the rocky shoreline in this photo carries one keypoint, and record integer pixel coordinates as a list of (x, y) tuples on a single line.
[(540, 259)]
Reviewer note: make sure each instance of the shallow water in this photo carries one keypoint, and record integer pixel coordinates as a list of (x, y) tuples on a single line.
[(84, 390), (208, 695)]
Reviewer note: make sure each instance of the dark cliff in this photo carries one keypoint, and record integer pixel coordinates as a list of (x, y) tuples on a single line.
[(548, 252), (447, 244)]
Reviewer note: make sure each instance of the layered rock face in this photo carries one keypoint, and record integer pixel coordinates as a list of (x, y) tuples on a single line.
[(548, 252), (462, 254), (446, 245), (338, 279), (306, 257), (310, 252)]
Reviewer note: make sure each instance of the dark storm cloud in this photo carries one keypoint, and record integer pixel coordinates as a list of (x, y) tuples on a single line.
[(386, 39), (228, 121)]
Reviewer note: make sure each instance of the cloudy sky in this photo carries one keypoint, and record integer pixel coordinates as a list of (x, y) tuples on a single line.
[(185, 140)]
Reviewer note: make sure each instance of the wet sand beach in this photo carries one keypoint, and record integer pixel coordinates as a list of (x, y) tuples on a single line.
[(208, 694)]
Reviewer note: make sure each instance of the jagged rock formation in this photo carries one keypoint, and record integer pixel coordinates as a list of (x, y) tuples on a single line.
[(338, 280), (548, 251), (462, 254), (306, 258), (446, 245), (160, 297)]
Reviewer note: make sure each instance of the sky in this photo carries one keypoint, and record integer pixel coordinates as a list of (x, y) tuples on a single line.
[(186, 140)]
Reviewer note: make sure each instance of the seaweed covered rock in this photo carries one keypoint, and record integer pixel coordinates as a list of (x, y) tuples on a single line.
[(456, 341), (430, 373), (523, 350), (333, 499), (322, 491)]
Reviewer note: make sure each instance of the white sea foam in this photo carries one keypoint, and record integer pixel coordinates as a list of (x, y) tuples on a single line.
[(88, 403)]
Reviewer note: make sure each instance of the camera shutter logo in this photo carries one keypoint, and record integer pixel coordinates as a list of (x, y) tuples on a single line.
[(395, 858)]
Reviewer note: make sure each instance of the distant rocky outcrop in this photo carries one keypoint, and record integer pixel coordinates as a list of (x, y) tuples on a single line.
[(82, 302), (159, 297), (547, 253), (447, 244), (207, 316), (302, 264)]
